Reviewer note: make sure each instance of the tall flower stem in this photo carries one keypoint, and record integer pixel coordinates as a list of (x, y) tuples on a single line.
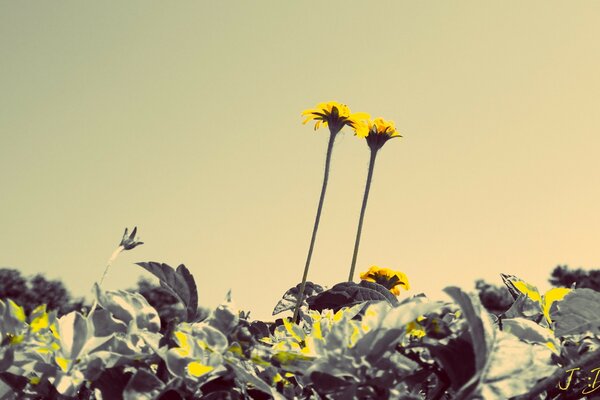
[(316, 226), (362, 212), (112, 258)]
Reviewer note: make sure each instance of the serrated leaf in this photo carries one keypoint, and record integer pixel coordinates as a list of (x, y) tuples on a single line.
[(179, 282), (348, 294), (290, 297), (143, 385), (577, 313)]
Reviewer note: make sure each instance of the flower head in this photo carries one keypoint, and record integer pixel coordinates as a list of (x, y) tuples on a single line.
[(386, 277), (335, 115), (377, 131), (130, 242)]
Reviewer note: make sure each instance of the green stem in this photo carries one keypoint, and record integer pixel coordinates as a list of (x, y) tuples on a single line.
[(316, 226), (362, 213)]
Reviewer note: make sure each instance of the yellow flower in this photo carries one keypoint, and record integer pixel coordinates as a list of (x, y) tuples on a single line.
[(335, 115), (377, 131), (386, 277)]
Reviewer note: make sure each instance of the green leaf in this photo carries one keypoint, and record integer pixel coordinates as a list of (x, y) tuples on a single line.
[(143, 385), (179, 282), (577, 313)]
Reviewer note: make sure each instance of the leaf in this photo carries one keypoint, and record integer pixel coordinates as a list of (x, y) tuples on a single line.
[(456, 359), (179, 282), (325, 383), (386, 326), (524, 307), (504, 365), (143, 385), (514, 367), (528, 331), (74, 333), (224, 318), (481, 330), (577, 313), (347, 294), (131, 308), (250, 378), (290, 297), (112, 382), (7, 356)]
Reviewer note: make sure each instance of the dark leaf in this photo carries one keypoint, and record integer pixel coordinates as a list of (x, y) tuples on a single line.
[(112, 382), (325, 383), (179, 282), (142, 385), (456, 359), (7, 355), (347, 294), (16, 382), (290, 298)]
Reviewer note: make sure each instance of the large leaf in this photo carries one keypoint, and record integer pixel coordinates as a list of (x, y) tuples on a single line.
[(481, 329), (290, 297), (456, 359), (577, 313), (347, 294), (530, 332), (179, 282), (131, 308), (505, 366), (142, 386)]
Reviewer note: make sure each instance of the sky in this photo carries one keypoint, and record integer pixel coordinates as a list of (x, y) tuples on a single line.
[(183, 119)]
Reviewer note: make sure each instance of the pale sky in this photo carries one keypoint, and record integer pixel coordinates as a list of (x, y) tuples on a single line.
[(184, 119)]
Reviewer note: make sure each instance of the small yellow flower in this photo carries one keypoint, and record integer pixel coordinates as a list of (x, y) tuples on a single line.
[(392, 280), (335, 115), (377, 131)]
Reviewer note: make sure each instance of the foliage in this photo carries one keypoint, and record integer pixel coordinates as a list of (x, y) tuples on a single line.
[(563, 276), (31, 292), (365, 348)]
